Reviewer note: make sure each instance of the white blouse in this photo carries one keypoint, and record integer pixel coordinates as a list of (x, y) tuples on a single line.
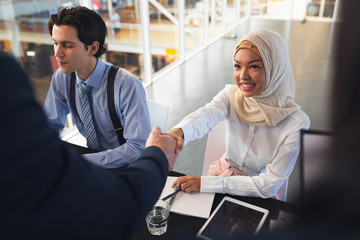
[(266, 154)]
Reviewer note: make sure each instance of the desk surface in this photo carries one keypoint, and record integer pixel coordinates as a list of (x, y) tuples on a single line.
[(186, 227)]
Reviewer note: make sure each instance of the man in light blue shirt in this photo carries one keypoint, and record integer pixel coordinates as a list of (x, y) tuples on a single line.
[(79, 36)]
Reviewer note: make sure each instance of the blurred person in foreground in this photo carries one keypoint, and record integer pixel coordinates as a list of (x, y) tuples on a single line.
[(48, 192), (332, 206)]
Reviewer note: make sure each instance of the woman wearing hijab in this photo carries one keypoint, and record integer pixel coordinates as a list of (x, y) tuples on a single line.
[(263, 123)]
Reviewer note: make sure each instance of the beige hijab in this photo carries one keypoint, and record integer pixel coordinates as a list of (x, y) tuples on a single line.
[(276, 102)]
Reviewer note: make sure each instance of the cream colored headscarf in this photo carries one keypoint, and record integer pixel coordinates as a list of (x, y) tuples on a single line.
[(276, 102)]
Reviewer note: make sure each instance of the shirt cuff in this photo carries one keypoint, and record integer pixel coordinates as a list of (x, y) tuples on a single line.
[(187, 130), (100, 159), (212, 184)]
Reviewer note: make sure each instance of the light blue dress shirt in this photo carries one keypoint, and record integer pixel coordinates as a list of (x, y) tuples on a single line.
[(131, 107)]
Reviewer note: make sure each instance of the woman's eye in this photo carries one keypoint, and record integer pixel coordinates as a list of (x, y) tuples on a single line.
[(254, 66), (236, 66)]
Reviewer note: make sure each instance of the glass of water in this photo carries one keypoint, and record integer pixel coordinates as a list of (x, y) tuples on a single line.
[(157, 218)]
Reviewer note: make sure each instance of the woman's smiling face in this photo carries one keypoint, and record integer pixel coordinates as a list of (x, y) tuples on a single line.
[(249, 73)]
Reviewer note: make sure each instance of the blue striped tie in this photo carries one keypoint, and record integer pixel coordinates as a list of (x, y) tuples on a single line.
[(88, 124)]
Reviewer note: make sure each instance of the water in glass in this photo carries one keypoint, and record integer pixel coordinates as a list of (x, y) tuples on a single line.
[(156, 220)]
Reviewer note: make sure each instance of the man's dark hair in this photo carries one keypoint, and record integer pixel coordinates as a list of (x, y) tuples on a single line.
[(89, 25)]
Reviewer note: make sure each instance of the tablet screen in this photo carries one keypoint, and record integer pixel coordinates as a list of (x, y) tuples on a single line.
[(233, 219)]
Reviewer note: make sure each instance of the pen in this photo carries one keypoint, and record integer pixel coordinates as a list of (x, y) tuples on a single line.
[(172, 194)]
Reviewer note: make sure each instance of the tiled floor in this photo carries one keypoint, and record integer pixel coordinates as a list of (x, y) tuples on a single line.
[(194, 83)]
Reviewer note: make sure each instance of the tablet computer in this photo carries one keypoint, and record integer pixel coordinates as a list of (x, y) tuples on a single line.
[(232, 219)]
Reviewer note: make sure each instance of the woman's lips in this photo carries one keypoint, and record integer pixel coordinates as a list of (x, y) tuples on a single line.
[(247, 86)]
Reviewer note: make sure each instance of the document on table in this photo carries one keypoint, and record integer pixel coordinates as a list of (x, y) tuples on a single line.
[(193, 204)]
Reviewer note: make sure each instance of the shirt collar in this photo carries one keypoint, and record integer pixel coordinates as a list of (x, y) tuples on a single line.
[(94, 80)]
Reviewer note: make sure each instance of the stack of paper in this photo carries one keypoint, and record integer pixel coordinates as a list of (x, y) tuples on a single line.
[(193, 204)]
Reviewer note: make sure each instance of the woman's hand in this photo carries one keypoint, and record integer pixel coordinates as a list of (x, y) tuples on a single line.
[(178, 135), (188, 183)]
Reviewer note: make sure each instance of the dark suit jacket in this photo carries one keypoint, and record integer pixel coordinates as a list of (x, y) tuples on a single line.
[(47, 191)]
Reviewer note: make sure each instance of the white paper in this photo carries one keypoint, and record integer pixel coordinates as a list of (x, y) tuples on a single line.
[(193, 204)]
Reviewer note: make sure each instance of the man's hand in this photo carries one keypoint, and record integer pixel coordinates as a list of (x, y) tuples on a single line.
[(178, 135), (166, 143)]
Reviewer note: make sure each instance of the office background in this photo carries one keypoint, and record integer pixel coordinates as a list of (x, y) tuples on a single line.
[(182, 50)]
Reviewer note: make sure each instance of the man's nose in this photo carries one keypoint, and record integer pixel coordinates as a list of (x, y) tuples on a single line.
[(58, 51)]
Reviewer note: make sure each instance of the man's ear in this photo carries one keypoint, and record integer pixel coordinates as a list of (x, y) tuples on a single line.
[(93, 48)]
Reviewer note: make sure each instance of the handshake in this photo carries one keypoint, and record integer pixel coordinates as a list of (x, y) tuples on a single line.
[(171, 143)]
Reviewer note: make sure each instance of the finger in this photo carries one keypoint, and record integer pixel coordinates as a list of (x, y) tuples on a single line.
[(178, 182), (154, 134), (175, 183), (156, 131), (177, 150), (179, 145), (184, 185), (189, 189)]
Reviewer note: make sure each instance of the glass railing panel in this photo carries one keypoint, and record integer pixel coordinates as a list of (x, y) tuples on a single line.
[(194, 26), (231, 14), (215, 22), (164, 34), (124, 41)]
